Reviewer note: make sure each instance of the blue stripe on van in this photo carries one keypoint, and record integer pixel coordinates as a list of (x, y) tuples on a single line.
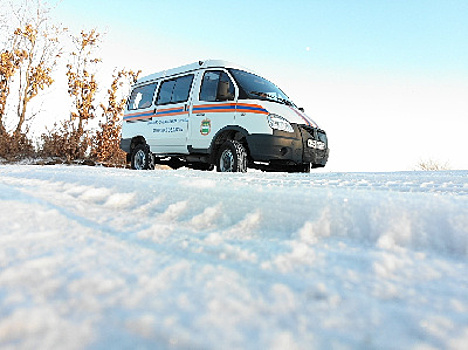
[(139, 116), (214, 107), (170, 111)]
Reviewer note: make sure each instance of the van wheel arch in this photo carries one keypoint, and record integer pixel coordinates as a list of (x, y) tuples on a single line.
[(235, 133), (136, 141)]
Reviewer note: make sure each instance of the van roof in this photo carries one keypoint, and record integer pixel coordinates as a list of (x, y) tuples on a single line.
[(190, 67)]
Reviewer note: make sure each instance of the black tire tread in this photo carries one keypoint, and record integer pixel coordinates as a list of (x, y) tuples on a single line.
[(240, 153)]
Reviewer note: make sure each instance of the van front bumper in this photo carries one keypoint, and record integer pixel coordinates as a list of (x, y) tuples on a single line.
[(305, 145)]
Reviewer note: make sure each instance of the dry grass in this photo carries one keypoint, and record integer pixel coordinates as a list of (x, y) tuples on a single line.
[(432, 165)]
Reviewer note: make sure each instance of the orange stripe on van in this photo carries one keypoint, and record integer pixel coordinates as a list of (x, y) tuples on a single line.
[(203, 108), (140, 115), (229, 107)]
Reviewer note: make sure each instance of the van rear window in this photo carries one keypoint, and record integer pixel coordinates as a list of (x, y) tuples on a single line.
[(175, 90), (141, 97)]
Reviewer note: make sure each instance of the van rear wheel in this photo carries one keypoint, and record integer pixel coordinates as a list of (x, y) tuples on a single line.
[(232, 157), (142, 159)]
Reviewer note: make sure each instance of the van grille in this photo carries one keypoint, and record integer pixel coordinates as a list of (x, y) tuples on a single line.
[(316, 134)]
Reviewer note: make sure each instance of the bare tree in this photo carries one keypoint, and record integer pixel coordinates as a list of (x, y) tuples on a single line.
[(82, 85), (34, 35), (35, 74), (106, 146), (10, 62)]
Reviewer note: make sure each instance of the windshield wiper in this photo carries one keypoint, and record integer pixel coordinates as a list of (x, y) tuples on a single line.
[(286, 102), (261, 94), (267, 97)]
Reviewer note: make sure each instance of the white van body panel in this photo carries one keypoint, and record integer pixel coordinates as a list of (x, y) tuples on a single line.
[(208, 118)]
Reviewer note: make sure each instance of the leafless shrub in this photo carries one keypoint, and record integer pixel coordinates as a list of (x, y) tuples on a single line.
[(106, 142), (66, 141), (30, 48), (15, 147), (432, 165)]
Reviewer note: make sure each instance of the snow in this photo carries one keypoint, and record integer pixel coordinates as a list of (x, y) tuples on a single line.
[(102, 258)]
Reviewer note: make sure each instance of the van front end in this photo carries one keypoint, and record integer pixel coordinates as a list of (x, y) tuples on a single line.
[(315, 145), (294, 150)]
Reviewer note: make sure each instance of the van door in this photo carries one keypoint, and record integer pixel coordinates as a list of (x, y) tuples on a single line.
[(139, 111), (214, 107), (169, 125)]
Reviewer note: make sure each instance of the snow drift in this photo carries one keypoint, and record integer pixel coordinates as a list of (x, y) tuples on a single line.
[(98, 258)]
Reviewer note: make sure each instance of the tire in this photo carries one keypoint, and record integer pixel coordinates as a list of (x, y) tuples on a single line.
[(232, 157), (142, 159)]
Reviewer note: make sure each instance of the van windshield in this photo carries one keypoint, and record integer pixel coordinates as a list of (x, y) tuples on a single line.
[(255, 87)]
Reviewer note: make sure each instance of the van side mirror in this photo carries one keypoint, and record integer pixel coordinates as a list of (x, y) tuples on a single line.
[(223, 92)]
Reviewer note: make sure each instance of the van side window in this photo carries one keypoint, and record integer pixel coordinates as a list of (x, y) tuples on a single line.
[(141, 97), (216, 86), (175, 90)]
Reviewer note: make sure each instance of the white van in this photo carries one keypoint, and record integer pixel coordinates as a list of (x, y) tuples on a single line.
[(215, 113)]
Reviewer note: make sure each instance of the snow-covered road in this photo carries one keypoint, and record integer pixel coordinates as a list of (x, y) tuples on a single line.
[(109, 258)]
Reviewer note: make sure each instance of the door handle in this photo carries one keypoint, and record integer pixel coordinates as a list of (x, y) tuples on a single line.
[(200, 114)]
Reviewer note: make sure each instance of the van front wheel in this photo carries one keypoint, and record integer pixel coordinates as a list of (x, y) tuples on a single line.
[(142, 158), (232, 157)]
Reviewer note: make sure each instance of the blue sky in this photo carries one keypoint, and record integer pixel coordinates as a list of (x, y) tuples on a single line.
[(396, 36), (357, 66)]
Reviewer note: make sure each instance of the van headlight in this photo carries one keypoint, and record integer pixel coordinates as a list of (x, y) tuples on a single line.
[(279, 123)]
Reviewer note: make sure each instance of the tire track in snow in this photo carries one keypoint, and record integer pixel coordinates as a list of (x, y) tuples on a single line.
[(293, 258), (147, 236), (169, 202)]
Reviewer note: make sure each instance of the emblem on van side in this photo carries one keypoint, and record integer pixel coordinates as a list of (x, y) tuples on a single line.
[(205, 127)]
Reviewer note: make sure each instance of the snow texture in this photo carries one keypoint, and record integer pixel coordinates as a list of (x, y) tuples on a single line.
[(96, 258)]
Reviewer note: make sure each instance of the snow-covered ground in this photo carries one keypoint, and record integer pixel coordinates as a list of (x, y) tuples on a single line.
[(102, 258)]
